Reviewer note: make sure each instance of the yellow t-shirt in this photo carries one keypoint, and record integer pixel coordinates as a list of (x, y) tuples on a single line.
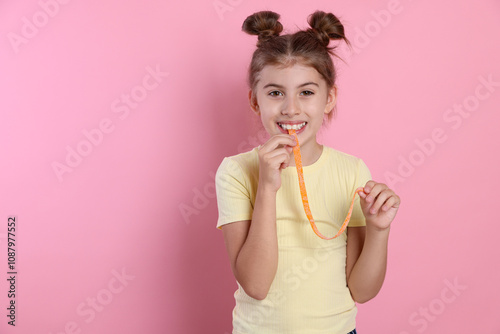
[(309, 293)]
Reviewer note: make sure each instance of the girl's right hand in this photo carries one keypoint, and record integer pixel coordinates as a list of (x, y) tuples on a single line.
[(274, 155)]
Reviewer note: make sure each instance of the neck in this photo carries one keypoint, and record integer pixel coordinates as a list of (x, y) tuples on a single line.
[(309, 152)]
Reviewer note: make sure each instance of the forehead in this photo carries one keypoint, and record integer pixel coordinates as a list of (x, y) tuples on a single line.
[(290, 76)]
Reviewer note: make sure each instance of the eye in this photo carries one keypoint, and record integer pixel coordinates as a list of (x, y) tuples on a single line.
[(274, 91), (308, 92)]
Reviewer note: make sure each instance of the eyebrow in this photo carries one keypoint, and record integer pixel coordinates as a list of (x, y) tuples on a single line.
[(279, 86)]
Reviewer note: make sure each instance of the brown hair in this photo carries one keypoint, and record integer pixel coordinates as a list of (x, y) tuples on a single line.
[(309, 47)]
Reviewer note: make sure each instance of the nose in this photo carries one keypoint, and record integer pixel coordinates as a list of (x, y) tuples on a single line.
[(291, 106)]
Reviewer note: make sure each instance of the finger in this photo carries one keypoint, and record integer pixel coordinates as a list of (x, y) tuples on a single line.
[(278, 152), (286, 163), (279, 161), (392, 202), (281, 138), (277, 140), (388, 203), (368, 186), (374, 191), (380, 200)]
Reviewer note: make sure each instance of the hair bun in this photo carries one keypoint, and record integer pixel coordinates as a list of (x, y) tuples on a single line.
[(265, 24), (326, 26)]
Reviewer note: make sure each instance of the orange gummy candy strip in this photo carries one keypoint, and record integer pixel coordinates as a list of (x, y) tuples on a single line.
[(303, 193)]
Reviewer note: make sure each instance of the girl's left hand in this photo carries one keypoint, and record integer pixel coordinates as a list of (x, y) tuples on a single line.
[(379, 204)]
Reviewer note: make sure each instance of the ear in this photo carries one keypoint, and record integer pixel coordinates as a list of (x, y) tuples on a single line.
[(253, 102), (331, 99)]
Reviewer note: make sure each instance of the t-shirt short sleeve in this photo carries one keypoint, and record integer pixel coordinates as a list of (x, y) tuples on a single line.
[(233, 196), (363, 176)]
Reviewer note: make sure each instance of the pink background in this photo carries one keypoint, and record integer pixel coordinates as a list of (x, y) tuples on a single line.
[(120, 208)]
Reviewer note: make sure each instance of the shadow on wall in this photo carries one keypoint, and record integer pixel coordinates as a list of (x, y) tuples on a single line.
[(207, 281)]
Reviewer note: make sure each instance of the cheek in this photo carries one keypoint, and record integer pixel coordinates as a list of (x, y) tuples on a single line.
[(267, 121)]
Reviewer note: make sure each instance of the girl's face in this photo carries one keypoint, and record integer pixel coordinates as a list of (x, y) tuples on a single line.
[(295, 95)]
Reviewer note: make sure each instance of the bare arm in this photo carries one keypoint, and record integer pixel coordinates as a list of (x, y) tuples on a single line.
[(253, 246), (366, 261), (366, 272)]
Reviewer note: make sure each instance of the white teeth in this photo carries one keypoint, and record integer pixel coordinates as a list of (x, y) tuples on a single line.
[(294, 127)]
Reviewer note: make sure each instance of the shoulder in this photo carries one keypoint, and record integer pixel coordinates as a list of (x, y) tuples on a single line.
[(345, 166), (243, 164), (342, 159)]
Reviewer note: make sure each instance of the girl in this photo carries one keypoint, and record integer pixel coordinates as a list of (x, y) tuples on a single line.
[(290, 280)]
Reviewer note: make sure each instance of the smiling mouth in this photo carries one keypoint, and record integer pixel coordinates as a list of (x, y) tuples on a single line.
[(294, 126)]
